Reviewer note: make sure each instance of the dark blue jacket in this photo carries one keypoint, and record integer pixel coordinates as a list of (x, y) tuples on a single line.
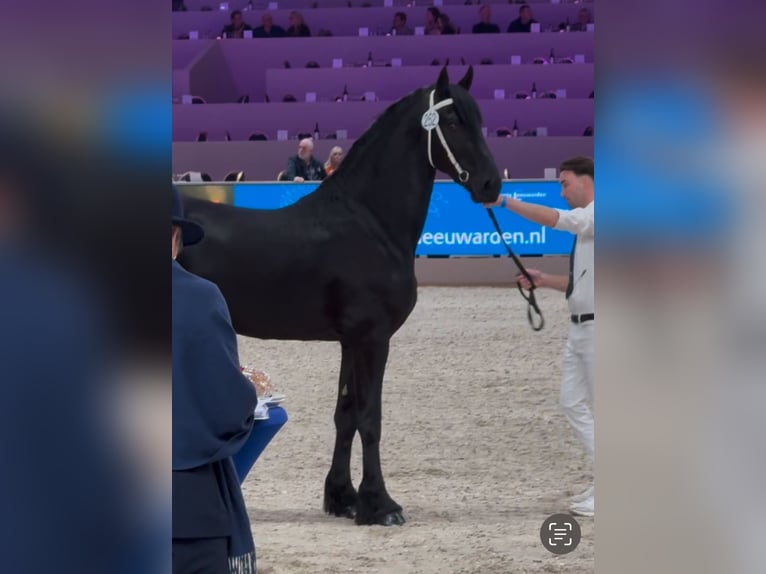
[(296, 167), (213, 404)]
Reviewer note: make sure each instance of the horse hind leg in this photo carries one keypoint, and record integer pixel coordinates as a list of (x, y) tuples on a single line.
[(374, 505), (340, 498)]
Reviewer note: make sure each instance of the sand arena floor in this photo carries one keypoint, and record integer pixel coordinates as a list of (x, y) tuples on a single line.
[(474, 446)]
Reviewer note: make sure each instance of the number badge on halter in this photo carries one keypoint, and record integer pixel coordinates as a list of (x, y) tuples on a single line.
[(430, 119)]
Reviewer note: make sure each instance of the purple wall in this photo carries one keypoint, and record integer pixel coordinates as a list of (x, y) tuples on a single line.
[(180, 84), (377, 19), (262, 161), (185, 52), (209, 76), (562, 117)]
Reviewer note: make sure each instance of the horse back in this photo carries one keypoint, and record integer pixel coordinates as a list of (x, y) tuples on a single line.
[(300, 272)]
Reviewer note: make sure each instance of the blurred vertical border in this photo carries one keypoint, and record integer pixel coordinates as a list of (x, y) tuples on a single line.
[(680, 147), (85, 168)]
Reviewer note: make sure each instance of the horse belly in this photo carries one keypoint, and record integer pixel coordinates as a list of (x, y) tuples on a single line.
[(270, 314)]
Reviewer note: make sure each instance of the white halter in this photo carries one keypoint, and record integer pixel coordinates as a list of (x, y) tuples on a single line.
[(430, 122)]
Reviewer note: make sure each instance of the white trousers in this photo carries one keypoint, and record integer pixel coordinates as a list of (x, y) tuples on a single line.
[(577, 392)]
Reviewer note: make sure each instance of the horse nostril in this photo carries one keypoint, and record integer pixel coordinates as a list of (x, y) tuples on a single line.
[(490, 188)]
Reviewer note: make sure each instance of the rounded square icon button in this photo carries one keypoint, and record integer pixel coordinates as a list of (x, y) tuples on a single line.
[(560, 533)]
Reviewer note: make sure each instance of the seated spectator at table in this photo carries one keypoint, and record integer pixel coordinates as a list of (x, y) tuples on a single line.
[(400, 27), (524, 22), (334, 159), (445, 24), (432, 21), (297, 25), (583, 19), (304, 166), (237, 27), (485, 26), (267, 29)]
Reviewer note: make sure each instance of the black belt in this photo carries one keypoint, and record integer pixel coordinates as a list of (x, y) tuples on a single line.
[(582, 318)]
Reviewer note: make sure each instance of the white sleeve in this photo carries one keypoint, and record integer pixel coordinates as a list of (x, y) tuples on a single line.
[(578, 220)]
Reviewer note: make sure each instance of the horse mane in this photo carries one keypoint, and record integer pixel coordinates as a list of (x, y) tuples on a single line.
[(377, 129), (373, 133)]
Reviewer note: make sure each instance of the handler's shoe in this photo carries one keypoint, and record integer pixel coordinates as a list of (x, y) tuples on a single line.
[(584, 508), (584, 495)]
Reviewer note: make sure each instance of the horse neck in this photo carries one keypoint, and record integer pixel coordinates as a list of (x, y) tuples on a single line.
[(390, 174)]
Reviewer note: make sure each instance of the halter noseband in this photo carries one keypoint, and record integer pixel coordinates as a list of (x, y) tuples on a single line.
[(430, 122)]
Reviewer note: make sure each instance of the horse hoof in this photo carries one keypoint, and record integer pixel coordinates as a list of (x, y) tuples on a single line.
[(393, 519)]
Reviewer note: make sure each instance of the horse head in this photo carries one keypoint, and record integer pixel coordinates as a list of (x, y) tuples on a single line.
[(456, 144)]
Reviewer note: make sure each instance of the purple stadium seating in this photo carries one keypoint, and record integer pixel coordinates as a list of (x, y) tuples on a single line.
[(377, 20), (224, 71)]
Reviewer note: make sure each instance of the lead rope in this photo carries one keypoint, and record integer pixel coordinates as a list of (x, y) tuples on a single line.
[(532, 307)]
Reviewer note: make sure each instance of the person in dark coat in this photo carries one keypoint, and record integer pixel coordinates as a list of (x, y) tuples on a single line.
[(304, 166), (524, 22), (268, 29), (237, 27), (213, 406), (485, 26)]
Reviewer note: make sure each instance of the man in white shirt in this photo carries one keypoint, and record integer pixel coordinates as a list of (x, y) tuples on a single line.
[(577, 396)]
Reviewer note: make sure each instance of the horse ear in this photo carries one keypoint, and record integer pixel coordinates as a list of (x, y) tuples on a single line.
[(467, 79), (442, 84)]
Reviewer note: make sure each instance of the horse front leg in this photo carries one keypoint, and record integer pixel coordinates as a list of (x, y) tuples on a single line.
[(374, 505), (339, 495)]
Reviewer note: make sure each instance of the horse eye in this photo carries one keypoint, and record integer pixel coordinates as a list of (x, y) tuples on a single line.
[(452, 126)]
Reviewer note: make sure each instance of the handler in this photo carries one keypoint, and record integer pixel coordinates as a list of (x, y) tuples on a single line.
[(577, 389)]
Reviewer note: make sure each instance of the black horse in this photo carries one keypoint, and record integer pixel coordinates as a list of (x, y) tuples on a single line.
[(339, 265)]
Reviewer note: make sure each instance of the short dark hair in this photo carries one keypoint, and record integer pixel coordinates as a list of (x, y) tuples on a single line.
[(579, 165), (523, 6), (236, 13), (401, 15), (434, 12)]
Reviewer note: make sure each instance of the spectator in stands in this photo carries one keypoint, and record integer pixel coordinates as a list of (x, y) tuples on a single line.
[(267, 29), (583, 19), (445, 24), (432, 21), (400, 27), (297, 25), (334, 159), (304, 166), (524, 22), (237, 27), (485, 26)]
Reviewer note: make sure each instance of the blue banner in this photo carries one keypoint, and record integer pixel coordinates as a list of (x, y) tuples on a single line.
[(455, 225)]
